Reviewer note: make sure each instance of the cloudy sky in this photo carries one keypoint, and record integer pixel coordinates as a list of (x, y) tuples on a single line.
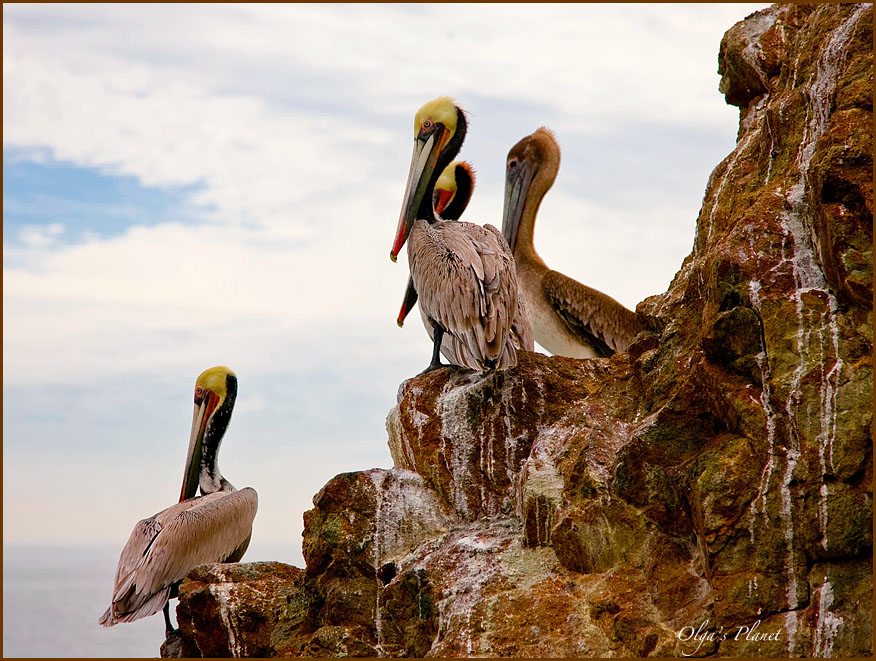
[(190, 185)]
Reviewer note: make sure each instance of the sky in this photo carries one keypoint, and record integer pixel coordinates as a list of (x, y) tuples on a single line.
[(194, 185)]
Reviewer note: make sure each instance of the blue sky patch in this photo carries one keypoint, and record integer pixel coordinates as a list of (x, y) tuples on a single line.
[(69, 203)]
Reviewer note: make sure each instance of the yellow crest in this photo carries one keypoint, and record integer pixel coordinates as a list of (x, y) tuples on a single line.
[(215, 380), (439, 111)]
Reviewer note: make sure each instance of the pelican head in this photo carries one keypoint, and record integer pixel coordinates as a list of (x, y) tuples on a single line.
[(215, 392), (532, 164), (439, 129), (453, 190)]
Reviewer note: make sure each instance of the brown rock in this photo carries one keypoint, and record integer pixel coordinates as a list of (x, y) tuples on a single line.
[(240, 610)]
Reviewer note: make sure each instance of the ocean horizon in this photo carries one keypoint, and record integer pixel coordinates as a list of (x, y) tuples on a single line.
[(54, 595)]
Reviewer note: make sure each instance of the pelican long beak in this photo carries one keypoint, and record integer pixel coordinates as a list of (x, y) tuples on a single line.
[(517, 185), (407, 304), (200, 418), (427, 147)]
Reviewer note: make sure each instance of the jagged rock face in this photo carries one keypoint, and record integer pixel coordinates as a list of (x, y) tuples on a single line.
[(715, 476), (214, 622), (784, 243), (489, 444)]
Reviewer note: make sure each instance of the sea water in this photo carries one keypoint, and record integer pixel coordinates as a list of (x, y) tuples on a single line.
[(53, 597)]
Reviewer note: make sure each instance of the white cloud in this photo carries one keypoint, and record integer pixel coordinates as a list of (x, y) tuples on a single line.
[(250, 165), (160, 295), (274, 112), (291, 124), (37, 236)]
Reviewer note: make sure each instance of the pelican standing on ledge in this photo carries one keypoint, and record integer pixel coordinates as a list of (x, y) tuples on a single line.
[(452, 194), (463, 273), (568, 318), (213, 527)]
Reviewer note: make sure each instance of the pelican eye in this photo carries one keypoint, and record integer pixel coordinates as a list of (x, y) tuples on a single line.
[(427, 123), (199, 394), (512, 164)]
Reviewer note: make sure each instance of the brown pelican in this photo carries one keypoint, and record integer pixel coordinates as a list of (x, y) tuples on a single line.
[(213, 527), (463, 273), (569, 319), (452, 195)]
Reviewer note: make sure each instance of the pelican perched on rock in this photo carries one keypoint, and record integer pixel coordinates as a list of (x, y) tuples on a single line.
[(463, 273), (568, 318), (452, 194), (453, 191), (213, 527)]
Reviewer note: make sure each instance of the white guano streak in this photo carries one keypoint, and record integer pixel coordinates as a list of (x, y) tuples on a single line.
[(797, 226)]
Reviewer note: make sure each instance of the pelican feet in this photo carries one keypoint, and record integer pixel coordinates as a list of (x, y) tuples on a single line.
[(432, 367), (437, 336)]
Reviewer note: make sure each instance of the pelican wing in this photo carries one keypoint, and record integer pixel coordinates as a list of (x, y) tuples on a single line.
[(465, 276), (164, 548), (603, 322), (521, 327), (521, 324)]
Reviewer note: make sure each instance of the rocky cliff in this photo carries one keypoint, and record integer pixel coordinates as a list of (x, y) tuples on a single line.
[(708, 493)]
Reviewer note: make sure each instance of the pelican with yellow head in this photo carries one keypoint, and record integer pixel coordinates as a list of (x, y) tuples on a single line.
[(213, 527), (463, 273)]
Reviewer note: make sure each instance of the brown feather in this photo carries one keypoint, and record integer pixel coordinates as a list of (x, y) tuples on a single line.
[(465, 277), (568, 317), (606, 324), (165, 547)]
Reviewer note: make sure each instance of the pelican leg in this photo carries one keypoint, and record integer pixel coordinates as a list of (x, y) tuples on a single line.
[(168, 627), (437, 335)]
